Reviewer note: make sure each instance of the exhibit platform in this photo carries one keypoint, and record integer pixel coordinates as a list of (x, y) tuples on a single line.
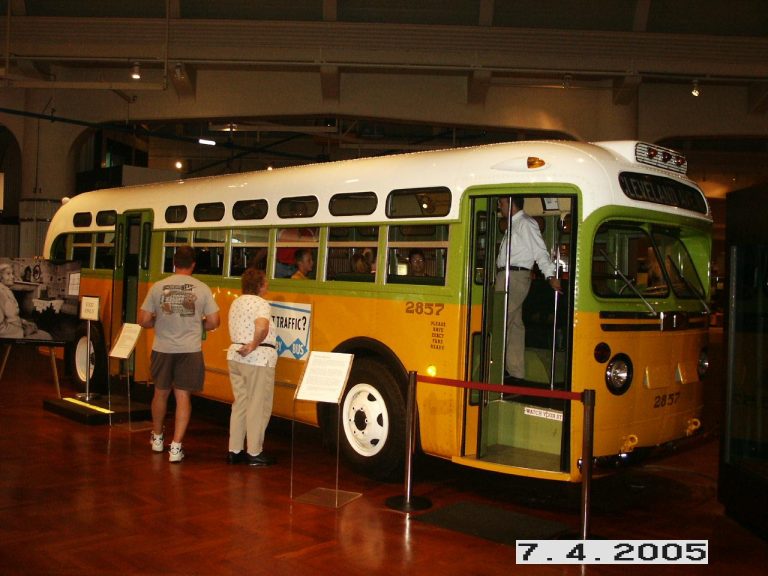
[(99, 409)]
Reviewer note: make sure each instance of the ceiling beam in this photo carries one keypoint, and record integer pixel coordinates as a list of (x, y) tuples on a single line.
[(758, 98), (625, 89), (183, 79), (330, 83), (17, 82), (330, 10), (478, 83), (485, 17), (174, 9), (640, 21), (19, 7)]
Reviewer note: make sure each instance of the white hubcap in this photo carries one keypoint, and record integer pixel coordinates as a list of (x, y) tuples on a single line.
[(366, 422)]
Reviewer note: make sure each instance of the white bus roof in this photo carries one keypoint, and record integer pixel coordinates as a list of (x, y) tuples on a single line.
[(593, 168)]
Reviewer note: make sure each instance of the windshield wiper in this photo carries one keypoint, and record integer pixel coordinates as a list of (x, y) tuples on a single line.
[(627, 281), (689, 285)]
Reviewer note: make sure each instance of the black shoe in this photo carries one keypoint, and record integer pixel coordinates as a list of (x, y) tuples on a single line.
[(236, 457), (260, 460)]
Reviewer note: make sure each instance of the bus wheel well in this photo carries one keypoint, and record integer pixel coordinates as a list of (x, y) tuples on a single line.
[(370, 348), (375, 399), (78, 361)]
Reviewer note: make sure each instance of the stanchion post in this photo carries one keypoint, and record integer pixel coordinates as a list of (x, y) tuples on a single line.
[(587, 444), (407, 503)]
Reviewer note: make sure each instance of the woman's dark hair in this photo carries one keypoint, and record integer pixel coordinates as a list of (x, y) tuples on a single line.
[(252, 280)]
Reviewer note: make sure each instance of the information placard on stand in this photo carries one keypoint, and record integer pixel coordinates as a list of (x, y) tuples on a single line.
[(324, 379), (122, 350), (126, 342)]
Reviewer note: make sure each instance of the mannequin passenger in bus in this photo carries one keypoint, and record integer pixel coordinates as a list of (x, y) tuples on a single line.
[(285, 264), (304, 264), (360, 264), (417, 265)]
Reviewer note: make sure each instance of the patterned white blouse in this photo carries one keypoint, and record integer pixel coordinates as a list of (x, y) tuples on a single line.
[(242, 316)]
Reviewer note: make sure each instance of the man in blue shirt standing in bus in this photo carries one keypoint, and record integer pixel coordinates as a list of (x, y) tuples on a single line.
[(179, 308), (516, 258)]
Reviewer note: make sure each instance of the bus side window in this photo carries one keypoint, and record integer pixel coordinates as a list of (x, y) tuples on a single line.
[(81, 249), (289, 241), (59, 249), (105, 251), (248, 250), (351, 264), (352, 253), (209, 260), (247, 257), (209, 251), (417, 254)]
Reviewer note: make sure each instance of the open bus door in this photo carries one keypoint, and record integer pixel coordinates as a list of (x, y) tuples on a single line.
[(514, 429), (129, 282)]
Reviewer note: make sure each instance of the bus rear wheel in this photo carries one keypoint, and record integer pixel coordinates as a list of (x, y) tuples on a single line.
[(79, 360), (372, 434)]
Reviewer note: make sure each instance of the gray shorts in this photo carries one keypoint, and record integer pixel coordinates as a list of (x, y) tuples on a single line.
[(183, 371)]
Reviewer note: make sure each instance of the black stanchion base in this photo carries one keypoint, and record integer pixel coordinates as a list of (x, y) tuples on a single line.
[(416, 503), (97, 411)]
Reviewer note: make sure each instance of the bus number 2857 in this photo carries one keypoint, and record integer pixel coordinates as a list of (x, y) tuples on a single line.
[(665, 400), (425, 308)]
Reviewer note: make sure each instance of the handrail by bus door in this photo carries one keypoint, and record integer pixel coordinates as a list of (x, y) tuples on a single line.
[(552, 360), (508, 234)]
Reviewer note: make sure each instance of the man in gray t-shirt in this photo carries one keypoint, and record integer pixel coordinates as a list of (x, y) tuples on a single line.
[(179, 308)]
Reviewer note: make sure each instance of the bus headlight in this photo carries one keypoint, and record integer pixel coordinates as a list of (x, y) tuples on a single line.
[(703, 366), (618, 374)]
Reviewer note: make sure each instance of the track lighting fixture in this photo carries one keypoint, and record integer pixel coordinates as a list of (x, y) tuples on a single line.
[(695, 88), (136, 71)]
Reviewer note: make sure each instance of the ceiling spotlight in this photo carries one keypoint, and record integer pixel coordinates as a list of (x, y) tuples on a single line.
[(567, 81), (695, 88), (136, 71)]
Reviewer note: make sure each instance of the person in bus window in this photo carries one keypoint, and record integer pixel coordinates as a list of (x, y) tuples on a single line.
[(285, 264), (417, 265), (251, 358), (304, 264), (360, 264), (521, 246), (175, 307)]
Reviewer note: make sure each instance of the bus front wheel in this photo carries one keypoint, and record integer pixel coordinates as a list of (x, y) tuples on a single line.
[(80, 360), (372, 427)]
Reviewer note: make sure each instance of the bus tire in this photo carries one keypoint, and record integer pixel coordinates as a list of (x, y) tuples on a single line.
[(77, 353), (372, 427)]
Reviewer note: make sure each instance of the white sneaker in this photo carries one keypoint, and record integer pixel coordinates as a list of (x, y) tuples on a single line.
[(176, 453), (157, 442)]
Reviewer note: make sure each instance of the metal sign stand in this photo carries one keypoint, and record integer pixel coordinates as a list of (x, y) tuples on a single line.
[(324, 379)]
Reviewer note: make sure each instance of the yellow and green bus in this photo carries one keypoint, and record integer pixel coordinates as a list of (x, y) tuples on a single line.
[(404, 250)]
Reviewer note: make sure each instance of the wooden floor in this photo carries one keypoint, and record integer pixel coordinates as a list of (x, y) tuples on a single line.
[(93, 499)]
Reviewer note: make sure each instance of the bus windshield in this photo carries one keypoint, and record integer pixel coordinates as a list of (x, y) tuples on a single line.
[(630, 262), (679, 266)]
